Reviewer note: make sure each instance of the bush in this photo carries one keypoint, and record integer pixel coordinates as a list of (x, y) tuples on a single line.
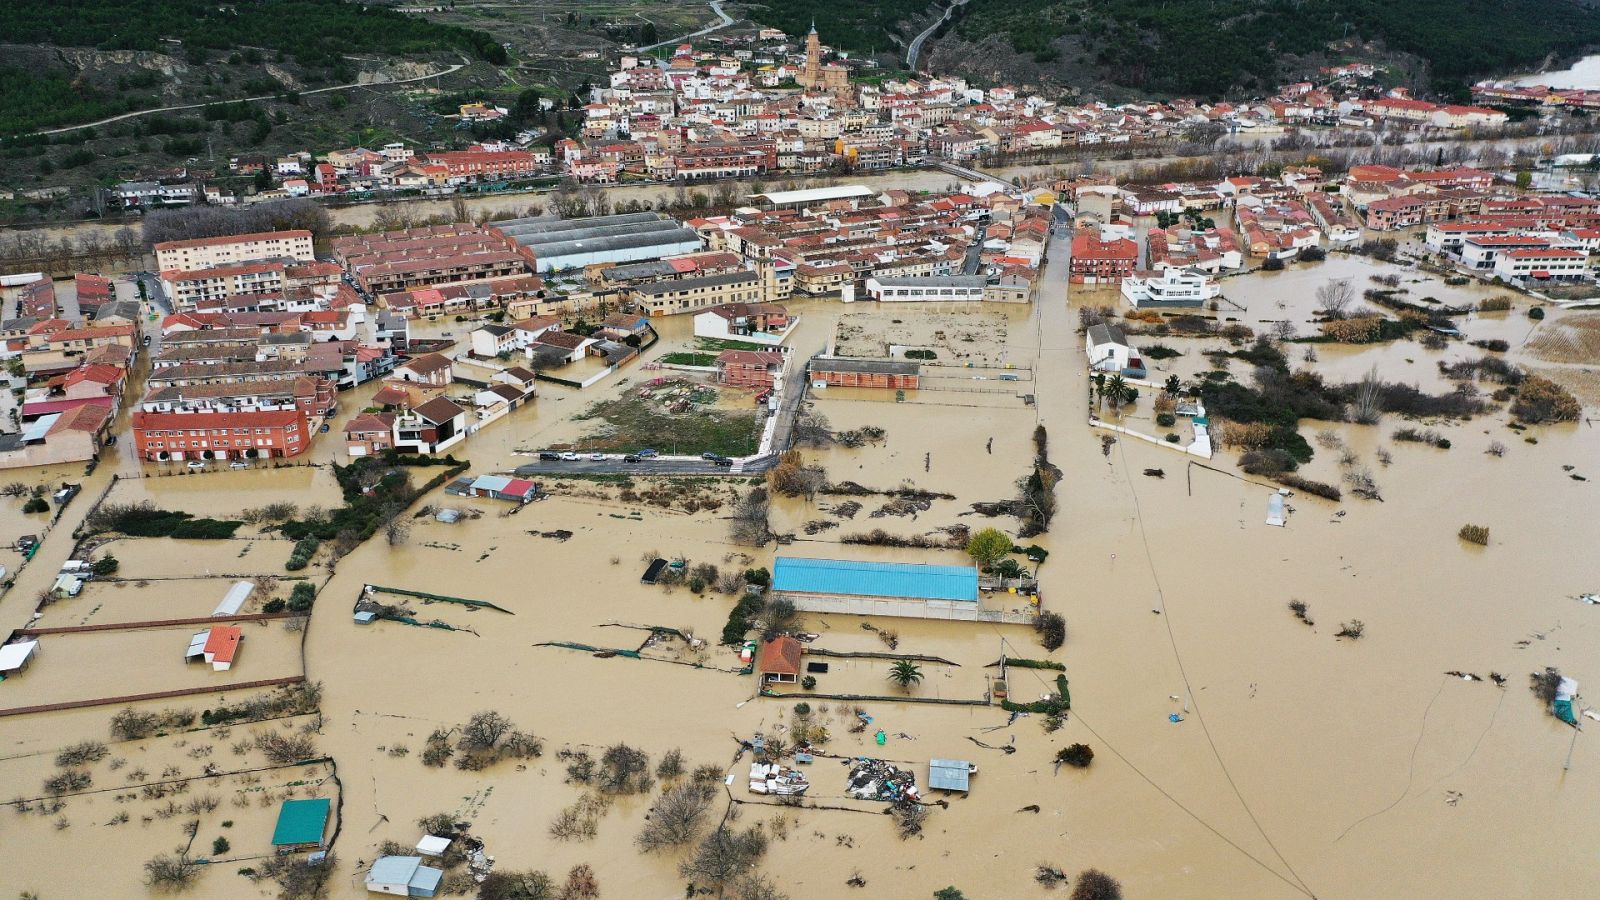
[(809, 682), (105, 565), (1422, 436), (1540, 400), (1307, 486), (1494, 345), (1536, 313), (1078, 756), (1352, 629), (1173, 438), (303, 595), (1267, 462), (1052, 629), (1159, 352), (130, 724), (1495, 304), (1094, 884), (168, 872), (219, 846), (36, 505), (1166, 420), (274, 605), (146, 520), (67, 782), (82, 753), (1474, 534)]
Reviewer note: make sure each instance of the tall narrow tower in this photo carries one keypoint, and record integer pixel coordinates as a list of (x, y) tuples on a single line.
[(811, 75)]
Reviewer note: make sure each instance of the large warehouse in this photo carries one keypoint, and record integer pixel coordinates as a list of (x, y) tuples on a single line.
[(561, 244)]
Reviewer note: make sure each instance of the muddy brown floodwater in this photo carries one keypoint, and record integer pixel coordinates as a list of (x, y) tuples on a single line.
[(1303, 764)]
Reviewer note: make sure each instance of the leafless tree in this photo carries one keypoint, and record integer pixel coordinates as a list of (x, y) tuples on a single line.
[(484, 730), (1334, 298), (749, 524), (677, 817), (725, 856)]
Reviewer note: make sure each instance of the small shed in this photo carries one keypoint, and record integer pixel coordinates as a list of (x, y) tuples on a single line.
[(217, 645), (500, 487), (16, 657), (403, 876), (234, 600), (949, 774), (433, 845), (779, 659), (301, 824)]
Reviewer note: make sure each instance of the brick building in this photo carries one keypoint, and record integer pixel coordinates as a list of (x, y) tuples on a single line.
[(873, 373), (748, 368), (1097, 261), (223, 435)]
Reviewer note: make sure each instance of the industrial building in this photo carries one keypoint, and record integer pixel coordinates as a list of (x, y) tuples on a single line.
[(561, 244), (903, 590), (855, 193)]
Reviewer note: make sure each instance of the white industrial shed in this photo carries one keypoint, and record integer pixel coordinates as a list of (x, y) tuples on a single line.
[(560, 244), (780, 199)]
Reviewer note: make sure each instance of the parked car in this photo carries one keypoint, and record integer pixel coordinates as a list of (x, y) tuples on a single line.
[(549, 455), (597, 456), (195, 464), (722, 461), (647, 453), (709, 456), (569, 456), (238, 464)]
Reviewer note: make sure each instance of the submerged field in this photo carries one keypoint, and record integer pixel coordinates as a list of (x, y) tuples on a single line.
[(1299, 760)]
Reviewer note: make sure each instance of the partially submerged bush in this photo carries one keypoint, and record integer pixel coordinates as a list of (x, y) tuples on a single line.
[(170, 872), (1094, 884), (624, 770), (1052, 629), (68, 782), (1315, 488), (677, 817), (1422, 436), (82, 753), (1545, 684), (1077, 755), (1352, 629), (283, 749), (1540, 400), (1474, 534)]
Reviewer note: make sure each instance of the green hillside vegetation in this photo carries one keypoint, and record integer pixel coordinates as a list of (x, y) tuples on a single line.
[(1220, 47), (861, 26), (1216, 48), (308, 30)]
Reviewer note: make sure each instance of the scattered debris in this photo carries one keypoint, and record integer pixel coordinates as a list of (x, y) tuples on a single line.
[(1155, 473), (1030, 808), (877, 779)]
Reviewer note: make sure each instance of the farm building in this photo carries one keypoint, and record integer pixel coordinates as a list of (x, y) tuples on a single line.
[(16, 657), (301, 824), (495, 487), (403, 876), (878, 373), (217, 646)]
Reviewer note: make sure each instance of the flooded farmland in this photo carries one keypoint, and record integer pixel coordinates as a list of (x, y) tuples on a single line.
[(1297, 764)]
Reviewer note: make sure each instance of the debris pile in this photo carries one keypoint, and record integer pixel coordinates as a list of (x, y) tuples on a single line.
[(876, 779), (771, 778)]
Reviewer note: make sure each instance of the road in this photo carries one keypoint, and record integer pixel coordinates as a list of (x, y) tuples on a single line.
[(338, 87), (915, 50), (716, 7), (613, 465), (975, 252)]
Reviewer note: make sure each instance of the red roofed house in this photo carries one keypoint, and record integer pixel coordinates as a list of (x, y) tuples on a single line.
[(72, 435), (217, 646), (779, 660), (429, 368), (369, 434), (1096, 261), (749, 368)]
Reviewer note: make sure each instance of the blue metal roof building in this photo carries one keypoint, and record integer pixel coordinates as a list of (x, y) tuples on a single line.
[(949, 774), (875, 579)]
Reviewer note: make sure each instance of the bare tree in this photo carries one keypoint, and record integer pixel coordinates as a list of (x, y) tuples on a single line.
[(725, 855), (1334, 298), (811, 429), (484, 730), (676, 818), (749, 524)]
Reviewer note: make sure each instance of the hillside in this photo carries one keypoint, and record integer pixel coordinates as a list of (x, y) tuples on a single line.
[(1215, 48), (267, 46)]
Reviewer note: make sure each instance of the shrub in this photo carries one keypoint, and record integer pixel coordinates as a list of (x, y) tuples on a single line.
[(1494, 304), (1307, 486), (105, 565), (219, 846), (1159, 352), (303, 595), (82, 753), (1352, 629), (274, 605), (1267, 462), (1475, 534), (1536, 313), (1245, 435), (1422, 436), (1094, 884), (1052, 629), (809, 682), (285, 748), (130, 724), (1172, 438), (36, 505), (1166, 420), (67, 782), (1494, 345), (1078, 756), (169, 872), (1540, 400), (1360, 330), (1545, 684)]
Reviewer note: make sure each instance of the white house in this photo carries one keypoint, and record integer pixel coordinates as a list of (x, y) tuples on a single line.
[(403, 876), (492, 340), (1107, 348), (1169, 288)]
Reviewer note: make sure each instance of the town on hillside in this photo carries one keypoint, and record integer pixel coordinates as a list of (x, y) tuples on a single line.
[(1166, 533)]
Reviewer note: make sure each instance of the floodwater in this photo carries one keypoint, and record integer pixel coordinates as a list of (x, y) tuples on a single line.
[(1301, 761), (1583, 74)]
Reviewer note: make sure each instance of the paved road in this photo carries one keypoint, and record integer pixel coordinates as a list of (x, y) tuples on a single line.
[(716, 7), (338, 87), (915, 50)]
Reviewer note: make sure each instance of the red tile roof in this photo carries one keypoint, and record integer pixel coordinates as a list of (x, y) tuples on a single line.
[(780, 656), (223, 642), (277, 418)]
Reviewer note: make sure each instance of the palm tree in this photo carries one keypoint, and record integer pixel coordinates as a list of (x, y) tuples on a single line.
[(1117, 391), (905, 673)]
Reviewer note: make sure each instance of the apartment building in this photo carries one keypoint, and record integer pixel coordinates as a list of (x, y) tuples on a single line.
[(209, 253)]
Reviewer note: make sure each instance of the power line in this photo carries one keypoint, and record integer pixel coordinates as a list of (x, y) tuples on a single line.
[(1177, 656)]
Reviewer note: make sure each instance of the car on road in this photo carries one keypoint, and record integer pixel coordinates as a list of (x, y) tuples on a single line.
[(238, 464), (648, 453), (569, 456), (632, 458), (708, 456), (597, 456), (194, 464), (548, 455), (147, 340), (722, 461)]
